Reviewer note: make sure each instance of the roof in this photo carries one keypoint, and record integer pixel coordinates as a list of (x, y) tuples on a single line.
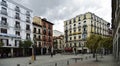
[(47, 21), (11, 1)]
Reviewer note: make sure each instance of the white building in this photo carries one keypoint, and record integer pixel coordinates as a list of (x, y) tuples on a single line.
[(15, 23)]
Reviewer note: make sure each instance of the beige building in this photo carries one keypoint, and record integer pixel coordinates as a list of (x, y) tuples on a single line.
[(58, 43), (77, 29)]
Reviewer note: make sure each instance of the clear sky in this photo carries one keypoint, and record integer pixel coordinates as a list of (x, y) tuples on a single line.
[(57, 11)]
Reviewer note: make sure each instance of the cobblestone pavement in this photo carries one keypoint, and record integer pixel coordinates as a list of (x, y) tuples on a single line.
[(106, 61), (60, 60)]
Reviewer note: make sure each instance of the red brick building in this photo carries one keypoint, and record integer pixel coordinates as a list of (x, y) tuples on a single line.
[(47, 35)]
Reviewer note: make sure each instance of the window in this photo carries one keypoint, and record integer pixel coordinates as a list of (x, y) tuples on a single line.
[(44, 31), (17, 24), (17, 16), (3, 30), (27, 27), (17, 33), (84, 22), (4, 3), (70, 38), (74, 37), (39, 37), (17, 9), (79, 45), (79, 19), (3, 11), (27, 13), (70, 22), (74, 20), (27, 36), (75, 45), (39, 31), (5, 42), (70, 44), (74, 30), (34, 30), (39, 44), (28, 19), (17, 42), (34, 36), (85, 16), (70, 32), (79, 37), (74, 24), (49, 26), (4, 21)]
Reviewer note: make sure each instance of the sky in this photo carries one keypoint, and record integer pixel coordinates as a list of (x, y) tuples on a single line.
[(57, 11)]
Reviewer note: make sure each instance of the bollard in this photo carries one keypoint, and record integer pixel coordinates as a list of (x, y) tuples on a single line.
[(30, 62), (55, 64), (18, 64), (81, 59), (75, 60), (86, 58), (67, 62)]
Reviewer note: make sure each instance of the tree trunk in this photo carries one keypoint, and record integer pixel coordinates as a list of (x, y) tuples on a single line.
[(23, 51), (96, 55), (93, 53)]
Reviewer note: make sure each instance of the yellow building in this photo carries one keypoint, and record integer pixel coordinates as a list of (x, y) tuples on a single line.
[(82, 26)]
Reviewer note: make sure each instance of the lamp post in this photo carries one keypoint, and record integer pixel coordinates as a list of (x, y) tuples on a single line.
[(33, 50)]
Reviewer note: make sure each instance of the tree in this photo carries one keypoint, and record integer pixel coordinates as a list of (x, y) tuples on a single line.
[(93, 43), (25, 45), (107, 44)]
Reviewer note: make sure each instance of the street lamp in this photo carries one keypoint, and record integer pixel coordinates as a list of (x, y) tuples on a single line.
[(33, 49)]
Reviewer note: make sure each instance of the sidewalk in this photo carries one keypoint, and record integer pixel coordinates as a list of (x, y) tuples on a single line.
[(106, 61)]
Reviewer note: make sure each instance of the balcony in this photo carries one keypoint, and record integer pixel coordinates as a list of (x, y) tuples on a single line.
[(79, 26), (27, 13), (17, 27), (28, 20), (17, 17), (4, 4), (70, 28), (84, 25), (17, 9), (28, 38), (85, 32), (44, 32), (4, 24), (28, 30), (74, 27), (4, 12)]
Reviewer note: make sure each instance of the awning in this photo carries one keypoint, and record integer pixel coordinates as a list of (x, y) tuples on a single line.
[(68, 48)]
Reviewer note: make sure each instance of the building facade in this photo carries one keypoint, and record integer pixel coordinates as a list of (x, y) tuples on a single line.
[(43, 33), (37, 34), (116, 28), (58, 43), (47, 32), (15, 25), (82, 26)]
